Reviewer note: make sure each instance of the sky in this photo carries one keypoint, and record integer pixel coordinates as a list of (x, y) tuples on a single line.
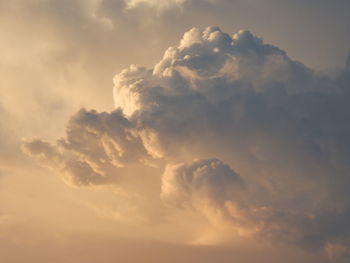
[(174, 131)]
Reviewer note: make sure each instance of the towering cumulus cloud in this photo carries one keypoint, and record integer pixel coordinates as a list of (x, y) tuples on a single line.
[(269, 136)]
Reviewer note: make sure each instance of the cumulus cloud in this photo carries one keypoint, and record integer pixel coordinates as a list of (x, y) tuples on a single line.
[(216, 191), (202, 181), (98, 147), (277, 129)]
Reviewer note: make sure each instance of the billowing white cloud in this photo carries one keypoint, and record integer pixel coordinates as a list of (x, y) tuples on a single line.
[(278, 124)]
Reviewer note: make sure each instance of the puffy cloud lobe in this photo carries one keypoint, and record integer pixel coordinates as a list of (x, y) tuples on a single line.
[(98, 146), (241, 57), (215, 190), (201, 181), (281, 126)]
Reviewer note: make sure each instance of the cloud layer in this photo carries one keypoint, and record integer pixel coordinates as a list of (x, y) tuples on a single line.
[(277, 130)]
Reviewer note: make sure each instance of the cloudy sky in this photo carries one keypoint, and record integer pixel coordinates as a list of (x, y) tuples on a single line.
[(174, 131)]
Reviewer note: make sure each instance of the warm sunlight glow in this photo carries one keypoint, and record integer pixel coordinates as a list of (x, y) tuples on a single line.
[(149, 131)]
